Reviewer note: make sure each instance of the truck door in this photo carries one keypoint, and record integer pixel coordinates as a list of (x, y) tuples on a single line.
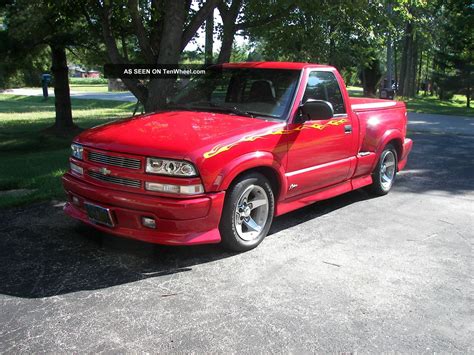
[(319, 153)]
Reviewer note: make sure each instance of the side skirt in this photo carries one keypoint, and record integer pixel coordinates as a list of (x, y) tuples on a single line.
[(323, 194)]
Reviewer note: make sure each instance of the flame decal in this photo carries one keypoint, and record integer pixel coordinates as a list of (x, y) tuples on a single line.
[(220, 148)]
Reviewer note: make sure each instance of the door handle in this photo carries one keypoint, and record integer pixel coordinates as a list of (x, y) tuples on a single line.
[(347, 129)]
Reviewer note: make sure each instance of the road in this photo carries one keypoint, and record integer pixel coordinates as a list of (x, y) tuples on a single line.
[(114, 96), (418, 122), (354, 273)]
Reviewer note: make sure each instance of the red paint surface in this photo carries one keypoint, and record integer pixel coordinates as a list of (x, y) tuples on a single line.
[(322, 162)]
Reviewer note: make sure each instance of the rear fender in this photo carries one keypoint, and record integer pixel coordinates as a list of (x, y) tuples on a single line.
[(390, 135), (246, 162)]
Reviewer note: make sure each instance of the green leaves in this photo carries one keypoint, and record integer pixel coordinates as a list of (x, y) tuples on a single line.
[(341, 33)]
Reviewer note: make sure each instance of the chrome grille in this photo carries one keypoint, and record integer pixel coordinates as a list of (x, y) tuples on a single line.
[(115, 179), (114, 160)]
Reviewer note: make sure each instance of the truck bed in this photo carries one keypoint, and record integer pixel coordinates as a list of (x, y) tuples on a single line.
[(360, 104)]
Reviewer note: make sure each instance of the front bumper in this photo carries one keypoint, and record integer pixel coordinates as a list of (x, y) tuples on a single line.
[(178, 221)]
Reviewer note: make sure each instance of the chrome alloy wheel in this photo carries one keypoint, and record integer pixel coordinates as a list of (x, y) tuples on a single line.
[(251, 213), (387, 170)]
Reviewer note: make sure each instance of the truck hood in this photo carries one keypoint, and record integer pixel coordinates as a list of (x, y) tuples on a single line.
[(174, 134)]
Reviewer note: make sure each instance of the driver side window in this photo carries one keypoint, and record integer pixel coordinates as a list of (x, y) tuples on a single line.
[(324, 86)]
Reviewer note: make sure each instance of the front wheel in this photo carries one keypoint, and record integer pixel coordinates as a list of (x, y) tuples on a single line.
[(385, 171), (248, 212)]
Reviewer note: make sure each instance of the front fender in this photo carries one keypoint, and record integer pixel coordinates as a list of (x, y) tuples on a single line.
[(246, 162)]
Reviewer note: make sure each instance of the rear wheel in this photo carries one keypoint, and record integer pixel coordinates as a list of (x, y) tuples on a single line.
[(248, 212), (385, 171)]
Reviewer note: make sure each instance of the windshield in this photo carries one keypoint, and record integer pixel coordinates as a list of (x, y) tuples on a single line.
[(265, 93)]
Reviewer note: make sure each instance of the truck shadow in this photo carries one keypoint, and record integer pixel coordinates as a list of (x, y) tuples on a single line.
[(52, 255)]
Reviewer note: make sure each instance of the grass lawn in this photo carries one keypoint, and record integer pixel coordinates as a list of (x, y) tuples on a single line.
[(88, 84), (428, 104), (355, 91), (89, 87), (431, 104), (32, 160), (86, 87)]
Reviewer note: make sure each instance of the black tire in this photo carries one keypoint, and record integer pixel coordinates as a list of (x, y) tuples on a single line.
[(380, 185), (236, 236)]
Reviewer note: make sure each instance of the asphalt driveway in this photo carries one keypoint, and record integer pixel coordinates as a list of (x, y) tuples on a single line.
[(353, 273)]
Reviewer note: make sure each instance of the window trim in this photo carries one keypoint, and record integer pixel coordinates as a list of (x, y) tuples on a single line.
[(287, 116), (312, 70)]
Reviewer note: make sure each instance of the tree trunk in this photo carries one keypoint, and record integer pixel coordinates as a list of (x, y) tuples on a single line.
[(331, 57), (404, 67), (371, 76), (409, 62), (364, 82), (227, 41), (163, 46), (170, 51), (209, 39), (63, 122), (395, 65), (418, 86), (427, 68), (414, 66), (468, 93), (229, 18), (124, 46)]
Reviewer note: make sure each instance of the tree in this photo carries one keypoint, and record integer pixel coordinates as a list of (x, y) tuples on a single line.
[(348, 35), (370, 76), (244, 16), (21, 66), (455, 56), (161, 29), (53, 24)]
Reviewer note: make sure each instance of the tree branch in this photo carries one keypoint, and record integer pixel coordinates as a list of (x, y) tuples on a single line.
[(134, 85), (140, 32), (197, 21), (222, 7), (264, 21)]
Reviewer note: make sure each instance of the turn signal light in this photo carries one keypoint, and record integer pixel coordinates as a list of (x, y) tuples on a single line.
[(76, 168), (175, 189)]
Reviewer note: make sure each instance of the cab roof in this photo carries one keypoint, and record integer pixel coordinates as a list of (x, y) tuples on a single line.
[(275, 65)]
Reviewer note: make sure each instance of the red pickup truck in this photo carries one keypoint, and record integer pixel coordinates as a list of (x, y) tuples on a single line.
[(233, 148)]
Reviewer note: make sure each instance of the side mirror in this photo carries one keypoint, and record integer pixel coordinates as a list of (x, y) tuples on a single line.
[(315, 110)]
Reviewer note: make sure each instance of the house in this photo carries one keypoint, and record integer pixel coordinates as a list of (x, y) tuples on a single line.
[(93, 74), (76, 71)]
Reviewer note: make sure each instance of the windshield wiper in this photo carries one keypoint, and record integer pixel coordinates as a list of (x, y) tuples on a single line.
[(232, 109)]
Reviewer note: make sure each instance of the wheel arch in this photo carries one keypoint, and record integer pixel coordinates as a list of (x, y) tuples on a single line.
[(393, 137), (260, 162), (398, 145)]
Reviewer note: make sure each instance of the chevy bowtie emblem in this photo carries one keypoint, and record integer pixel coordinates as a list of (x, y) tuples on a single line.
[(104, 171)]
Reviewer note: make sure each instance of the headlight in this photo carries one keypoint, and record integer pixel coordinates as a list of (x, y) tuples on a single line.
[(170, 167), (76, 151)]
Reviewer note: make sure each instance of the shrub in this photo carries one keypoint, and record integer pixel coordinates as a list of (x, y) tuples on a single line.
[(87, 81)]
